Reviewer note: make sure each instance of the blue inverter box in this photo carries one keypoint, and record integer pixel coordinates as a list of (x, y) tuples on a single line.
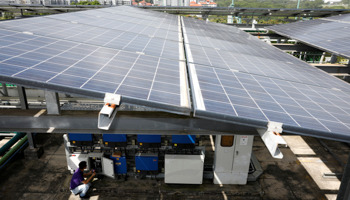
[(114, 138), (119, 160), (184, 139), (80, 139), (146, 162), (149, 141)]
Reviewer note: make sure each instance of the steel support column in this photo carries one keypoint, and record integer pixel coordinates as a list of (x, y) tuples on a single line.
[(22, 97), (31, 141), (344, 189), (322, 57), (4, 89), (52, 103), (333, 58), (347, 79)]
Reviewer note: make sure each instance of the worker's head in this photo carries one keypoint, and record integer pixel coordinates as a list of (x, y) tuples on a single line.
[(82, 165)]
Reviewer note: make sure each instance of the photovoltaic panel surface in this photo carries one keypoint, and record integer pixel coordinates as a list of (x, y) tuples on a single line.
[(235, 77), (88, 60), (329, 34), (230, 48), (121, 35)]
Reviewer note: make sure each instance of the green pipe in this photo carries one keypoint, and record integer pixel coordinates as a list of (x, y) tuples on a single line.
[(297, 8), (13, 150), (298, 4), (9, 144)]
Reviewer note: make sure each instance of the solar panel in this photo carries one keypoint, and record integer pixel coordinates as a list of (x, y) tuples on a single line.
[(225, 47), (130, 37), (237, 78), (88, 60), (329, 34)]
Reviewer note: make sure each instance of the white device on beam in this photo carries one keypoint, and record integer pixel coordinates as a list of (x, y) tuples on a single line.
[(272, 138), (108, 112)]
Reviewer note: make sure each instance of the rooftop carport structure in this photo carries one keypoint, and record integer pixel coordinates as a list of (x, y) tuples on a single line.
[(39, 8), (329, 34), (236, 81), (325, 34), (237, 11), (240, 11)]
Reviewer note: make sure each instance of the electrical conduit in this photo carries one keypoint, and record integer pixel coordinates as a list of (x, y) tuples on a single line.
[(11, 142), (13, 150)]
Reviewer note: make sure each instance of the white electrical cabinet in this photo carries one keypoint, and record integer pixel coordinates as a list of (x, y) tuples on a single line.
[(184, 169), (75, 159), (231, 163), (108, 167)]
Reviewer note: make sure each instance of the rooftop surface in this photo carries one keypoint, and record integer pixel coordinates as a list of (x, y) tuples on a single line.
[(297, 176)]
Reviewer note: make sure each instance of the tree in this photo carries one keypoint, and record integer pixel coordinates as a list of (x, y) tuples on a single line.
[(272, 3), (86, 3), (316, 4)]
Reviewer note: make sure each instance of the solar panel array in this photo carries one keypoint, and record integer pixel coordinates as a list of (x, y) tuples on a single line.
[(100, 54), (329, 34), (236, 77), (215, 45), (139, 54)]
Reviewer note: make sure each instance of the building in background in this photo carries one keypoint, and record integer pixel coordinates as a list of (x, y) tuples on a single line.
[(193, 3), (65, 2), (332, 1), (172, 3), (158, 2), (206, 3)]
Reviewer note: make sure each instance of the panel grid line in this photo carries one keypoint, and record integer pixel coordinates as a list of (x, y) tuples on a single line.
[(126, 74), (276, 102), (100, 69), (302, 107), (321, 107)]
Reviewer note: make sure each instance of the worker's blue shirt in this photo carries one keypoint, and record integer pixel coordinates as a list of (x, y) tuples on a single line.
[(76, 179)]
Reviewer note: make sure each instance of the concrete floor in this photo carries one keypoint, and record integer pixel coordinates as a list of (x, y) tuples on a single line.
[(297, 176)]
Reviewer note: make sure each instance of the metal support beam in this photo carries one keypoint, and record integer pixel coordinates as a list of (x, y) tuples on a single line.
[(52, 103), (124, 123), (333, 68), (344, 189), (4, 89), (294, 47), (31, 140), (270, 35), (22, 97)]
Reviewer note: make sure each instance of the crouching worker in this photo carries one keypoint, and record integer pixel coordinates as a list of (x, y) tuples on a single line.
[(78, 185)]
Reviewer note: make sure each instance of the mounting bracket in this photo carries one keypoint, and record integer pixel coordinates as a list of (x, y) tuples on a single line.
[(108, 112), (272, 138)]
